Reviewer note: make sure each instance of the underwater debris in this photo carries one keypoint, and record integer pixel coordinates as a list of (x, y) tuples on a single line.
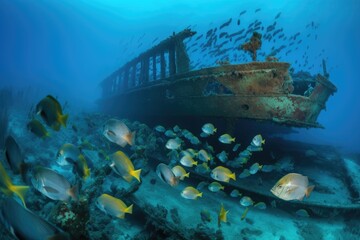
[(253, 45)]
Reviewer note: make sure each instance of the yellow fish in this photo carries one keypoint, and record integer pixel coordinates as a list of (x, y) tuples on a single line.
[(292, 186), (226, 139), (191, 193), (123, 166), (222, 174), (113, 206), (8, 188), (180, 172), (188, 161), (222, 215)]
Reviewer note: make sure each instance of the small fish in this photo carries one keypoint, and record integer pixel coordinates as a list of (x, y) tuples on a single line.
[(226, 139), (260, 205), (166, 175), (173, 144), (176, 128), (246, 201), (302, 213), (123, 166), (38, 129), (24, 224), (68, 154), (53, 185), (180, 172), (205, 216), (13, 156), (223, 157), (236, 147), (292, 186), (255, 168), (188, 161), (209, 129), (204, 135), (202, 168), (203, 155), (252, 148), (245, 153), (113, 206), (8, 188), (222, 215), (215, 187), (170, 133), (82, 167), (50, 111), (235, 193), (222, 174), (117, 132), (194, 140), (268, 168), (190, 193), (245, 173), (202, 185), (160, 128), (258, 141)]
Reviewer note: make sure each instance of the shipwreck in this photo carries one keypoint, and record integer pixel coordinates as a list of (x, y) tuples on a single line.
[(160, 82)]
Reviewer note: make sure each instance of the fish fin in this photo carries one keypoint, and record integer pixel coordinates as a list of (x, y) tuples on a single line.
[(130, 137), (129, 209), (200, 194), (136, 174), (187, 175), (215, 129), (63, 119), (195, 163), (121, 215), (263, 141), (233, 139), (309, 190), (232, 176), (20, 191), (74, 192), (222, 187)]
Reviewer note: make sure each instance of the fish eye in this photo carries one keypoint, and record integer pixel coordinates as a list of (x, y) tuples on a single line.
[(279, 186)]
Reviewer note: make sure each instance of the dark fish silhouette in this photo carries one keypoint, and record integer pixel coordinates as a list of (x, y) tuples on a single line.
[(278, 15), (223, 34), (236, 33), (243, 12), (258, 10), (225, 24), (199, 37), (238, 22)]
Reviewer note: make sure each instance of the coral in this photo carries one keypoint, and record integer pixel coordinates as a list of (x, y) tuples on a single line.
[(253, 45), (309, 231), (175, 216)]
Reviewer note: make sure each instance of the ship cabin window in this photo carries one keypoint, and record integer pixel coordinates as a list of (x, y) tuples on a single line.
[(213, 87)]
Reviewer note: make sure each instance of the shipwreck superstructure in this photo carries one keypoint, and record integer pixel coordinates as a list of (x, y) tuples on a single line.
[(160, 82)]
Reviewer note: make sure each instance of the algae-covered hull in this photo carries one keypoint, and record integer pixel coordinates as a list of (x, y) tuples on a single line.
[(258, 90)]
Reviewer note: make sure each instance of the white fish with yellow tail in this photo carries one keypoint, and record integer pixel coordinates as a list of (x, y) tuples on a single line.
[(113, 206), (8, 188), (302, 213), (258, 141), (117, 132), (246, 201), (180, 172), (215, 187), (123, 166), (292, 186), (208, 128), (191, 193), (188, 161), (173, 144), (203, 155), (223, 156), (202, 168), (235, 193), (222, 174), (255, 168), (166, 175), (160, 128), (226, 139), (222, 215)]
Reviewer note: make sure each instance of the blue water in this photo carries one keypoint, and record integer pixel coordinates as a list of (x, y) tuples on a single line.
[(66, 48)]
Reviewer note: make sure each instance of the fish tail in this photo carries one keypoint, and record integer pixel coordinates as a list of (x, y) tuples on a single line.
[(263, 141), (309, 190), (222, 187), (74, 192), (129, 209), (233, 139), (232, 176), (63, 119), (200, 194), (187, 175), (130, 137), (215, 129), (20, 191), (136, 174), (195, 163)]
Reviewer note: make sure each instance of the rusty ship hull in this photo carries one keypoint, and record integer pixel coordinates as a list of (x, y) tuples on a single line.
[(160, 83)]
